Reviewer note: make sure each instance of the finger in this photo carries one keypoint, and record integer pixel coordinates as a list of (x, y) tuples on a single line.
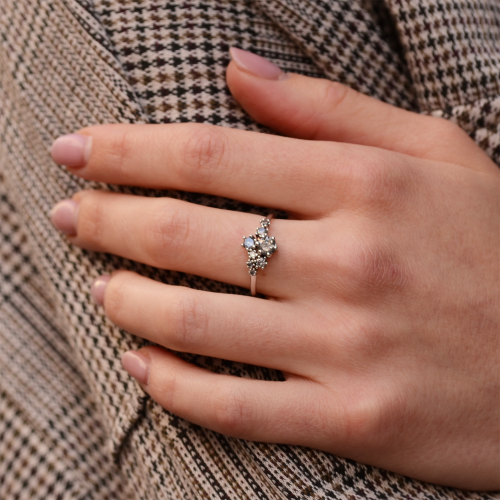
[(312, 108), (244, 408), (233, 327), (261, 169), (342, 254), (180, 236)]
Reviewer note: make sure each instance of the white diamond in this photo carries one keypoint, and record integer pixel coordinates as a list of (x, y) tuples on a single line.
[(266, 245), (252, 255), (261, 231)]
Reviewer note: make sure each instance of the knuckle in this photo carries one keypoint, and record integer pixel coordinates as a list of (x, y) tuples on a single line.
[(332, 95), (377, 181), (375, 419), (362, 418), (335, 94), (204, 151), (167, 232), (232, 411), (119, 152), (367, 265), (190, 323), (393, 415), (91, 221)]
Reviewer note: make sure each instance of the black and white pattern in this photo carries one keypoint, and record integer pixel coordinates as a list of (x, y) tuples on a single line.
[(72, 423)]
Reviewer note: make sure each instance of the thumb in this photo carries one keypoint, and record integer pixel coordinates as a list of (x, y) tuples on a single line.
[(319, 109)]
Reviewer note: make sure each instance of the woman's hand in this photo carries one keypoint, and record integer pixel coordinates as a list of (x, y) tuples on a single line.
[(385, 310)]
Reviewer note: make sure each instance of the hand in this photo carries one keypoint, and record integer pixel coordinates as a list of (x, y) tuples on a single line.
[(385, 310)]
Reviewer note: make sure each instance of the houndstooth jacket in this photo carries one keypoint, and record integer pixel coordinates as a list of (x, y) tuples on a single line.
[(73, 425)]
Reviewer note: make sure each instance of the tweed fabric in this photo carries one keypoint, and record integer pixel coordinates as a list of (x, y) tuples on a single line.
[(72, 423)]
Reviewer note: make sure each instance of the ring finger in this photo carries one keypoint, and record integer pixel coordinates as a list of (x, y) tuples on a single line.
[(176, 235)]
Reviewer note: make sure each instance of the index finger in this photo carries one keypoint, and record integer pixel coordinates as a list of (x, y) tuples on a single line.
[(277, 172)]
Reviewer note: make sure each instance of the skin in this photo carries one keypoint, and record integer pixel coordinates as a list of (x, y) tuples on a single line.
[(384, 296)]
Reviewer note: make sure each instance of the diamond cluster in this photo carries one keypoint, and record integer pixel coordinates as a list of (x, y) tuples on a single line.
[(259, 246)]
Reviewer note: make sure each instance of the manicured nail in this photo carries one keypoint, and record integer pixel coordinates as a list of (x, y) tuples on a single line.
[(99, 288), (72, 150), (63, 216), (137, 365), (256, 65)]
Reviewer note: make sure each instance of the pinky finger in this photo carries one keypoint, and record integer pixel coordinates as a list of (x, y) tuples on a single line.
[(244, 408)]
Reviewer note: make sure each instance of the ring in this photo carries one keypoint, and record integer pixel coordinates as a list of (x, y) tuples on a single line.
[(259, 247)]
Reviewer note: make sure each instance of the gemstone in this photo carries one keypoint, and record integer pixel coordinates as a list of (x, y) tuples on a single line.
[(267, 245), (249, 243), (252, 255), (261, 231)]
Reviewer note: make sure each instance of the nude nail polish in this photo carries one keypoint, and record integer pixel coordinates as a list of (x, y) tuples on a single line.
[(137, 365), (72, 150), (63, 216), (256, 65), (99, 288)]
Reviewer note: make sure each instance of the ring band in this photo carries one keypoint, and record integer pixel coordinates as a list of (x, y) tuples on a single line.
[(259, 247)]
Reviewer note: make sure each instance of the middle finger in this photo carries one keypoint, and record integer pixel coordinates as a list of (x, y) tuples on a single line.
[(259, 169)]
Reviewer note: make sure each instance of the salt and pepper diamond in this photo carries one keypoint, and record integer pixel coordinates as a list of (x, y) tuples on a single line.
[(259, 247)]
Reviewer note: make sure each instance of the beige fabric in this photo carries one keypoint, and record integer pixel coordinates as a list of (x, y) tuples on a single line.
[(72, 423)]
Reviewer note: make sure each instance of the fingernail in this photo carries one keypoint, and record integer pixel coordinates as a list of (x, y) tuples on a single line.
[(99, 288), (63, 216), (137, 365), (256, 65), (72, 150)]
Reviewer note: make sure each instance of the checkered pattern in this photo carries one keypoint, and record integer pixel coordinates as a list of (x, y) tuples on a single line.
[(72, 423), (15, 263)]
